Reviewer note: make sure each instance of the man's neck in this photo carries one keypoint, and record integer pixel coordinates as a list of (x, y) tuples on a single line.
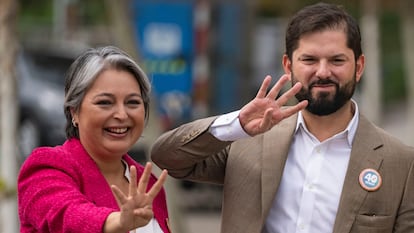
[(324, 127)]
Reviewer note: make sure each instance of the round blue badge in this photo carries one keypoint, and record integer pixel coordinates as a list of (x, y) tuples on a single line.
[(370, 179)]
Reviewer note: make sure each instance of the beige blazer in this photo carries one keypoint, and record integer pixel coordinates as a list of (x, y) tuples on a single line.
[(251, 169)]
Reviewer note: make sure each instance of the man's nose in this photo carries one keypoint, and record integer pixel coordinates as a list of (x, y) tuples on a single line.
[(323, 70)]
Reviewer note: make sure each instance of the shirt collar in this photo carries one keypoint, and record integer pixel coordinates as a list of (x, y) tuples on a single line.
[(127, 173), (350, 130)]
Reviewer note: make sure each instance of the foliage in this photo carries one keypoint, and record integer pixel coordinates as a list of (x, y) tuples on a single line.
[(6, 191), (2, 185), (35, 12), (392, 69), (39, 13), (2, 188)]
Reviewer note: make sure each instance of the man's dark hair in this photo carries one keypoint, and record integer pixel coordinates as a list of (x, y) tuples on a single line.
[(320, 17)]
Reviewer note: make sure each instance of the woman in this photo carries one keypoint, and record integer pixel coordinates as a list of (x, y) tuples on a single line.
[(89, 184)]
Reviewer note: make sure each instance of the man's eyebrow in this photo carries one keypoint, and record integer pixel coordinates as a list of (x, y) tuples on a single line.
[(302, 56), (305, 55)]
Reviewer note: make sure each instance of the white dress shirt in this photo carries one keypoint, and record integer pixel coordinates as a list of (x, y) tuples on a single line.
[(152, 226), (308, 196)]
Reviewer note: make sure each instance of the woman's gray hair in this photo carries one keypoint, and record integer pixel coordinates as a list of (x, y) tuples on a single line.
[(84, 71)]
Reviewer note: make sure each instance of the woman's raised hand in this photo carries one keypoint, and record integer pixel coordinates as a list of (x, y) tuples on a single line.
[(136, 206)]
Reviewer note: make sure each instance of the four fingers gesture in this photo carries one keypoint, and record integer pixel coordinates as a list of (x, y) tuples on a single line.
[(136, 206), (265, 110)]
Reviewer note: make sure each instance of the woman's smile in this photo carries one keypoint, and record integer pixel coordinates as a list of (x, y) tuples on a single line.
[(115, 130)]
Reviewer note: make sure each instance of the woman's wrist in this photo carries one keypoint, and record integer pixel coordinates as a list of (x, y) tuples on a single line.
[(113, 224)]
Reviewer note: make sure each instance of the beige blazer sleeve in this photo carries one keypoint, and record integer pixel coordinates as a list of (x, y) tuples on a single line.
[(203, 160)]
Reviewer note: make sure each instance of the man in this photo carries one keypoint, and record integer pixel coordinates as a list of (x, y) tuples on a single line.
[(317, 167)]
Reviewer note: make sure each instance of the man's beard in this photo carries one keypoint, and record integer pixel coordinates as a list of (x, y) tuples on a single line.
[(324, 103)]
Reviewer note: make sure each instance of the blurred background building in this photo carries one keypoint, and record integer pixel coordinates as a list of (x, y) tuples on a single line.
[(204, 57)]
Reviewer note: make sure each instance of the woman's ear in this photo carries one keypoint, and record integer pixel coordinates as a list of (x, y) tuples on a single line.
[(73, 114)]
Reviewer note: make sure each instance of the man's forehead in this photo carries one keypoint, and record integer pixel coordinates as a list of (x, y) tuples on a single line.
[(328, 41)]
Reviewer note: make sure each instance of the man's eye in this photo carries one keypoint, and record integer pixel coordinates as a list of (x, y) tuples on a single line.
[(338, 61), (308, 60)]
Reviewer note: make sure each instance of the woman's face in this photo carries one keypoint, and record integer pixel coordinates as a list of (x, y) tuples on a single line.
[(111, 117)]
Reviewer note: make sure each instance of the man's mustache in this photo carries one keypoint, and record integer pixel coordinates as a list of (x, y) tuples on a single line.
[(322, 82)]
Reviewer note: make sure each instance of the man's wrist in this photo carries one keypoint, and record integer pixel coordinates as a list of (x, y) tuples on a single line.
[(227, 127)]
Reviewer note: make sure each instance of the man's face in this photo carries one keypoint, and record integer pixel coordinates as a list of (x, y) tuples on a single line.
[(327, 70)]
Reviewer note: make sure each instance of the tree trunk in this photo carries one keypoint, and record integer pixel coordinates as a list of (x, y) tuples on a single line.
[(121, 25), (8, 114), (371, 82), (407, 22)]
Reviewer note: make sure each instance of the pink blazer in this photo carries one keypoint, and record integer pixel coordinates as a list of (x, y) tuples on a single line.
[(60, 189)]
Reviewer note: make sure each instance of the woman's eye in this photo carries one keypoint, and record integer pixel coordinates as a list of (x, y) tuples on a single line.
[(103, 102), (134, 102)]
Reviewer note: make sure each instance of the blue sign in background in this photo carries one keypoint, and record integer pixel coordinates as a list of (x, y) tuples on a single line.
[(166, 47)]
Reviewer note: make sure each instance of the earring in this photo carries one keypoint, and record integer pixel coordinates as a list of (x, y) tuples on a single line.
[(74, 123)]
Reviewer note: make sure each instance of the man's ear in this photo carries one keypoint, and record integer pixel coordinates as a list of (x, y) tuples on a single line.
[(287, 64), (359, 67)]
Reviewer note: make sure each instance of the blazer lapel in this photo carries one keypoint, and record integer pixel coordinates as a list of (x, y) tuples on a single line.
[(363, 156), (276, 144), (95, 185)]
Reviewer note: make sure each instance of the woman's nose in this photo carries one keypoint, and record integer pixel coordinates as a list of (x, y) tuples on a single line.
[(120, 112)]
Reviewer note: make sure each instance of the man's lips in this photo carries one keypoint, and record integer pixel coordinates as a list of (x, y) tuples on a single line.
[(323, 86)]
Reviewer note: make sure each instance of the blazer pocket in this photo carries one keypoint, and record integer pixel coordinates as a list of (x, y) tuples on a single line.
[(373, 224)]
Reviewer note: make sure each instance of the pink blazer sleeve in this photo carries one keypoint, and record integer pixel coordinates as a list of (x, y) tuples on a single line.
[(50, 198)]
